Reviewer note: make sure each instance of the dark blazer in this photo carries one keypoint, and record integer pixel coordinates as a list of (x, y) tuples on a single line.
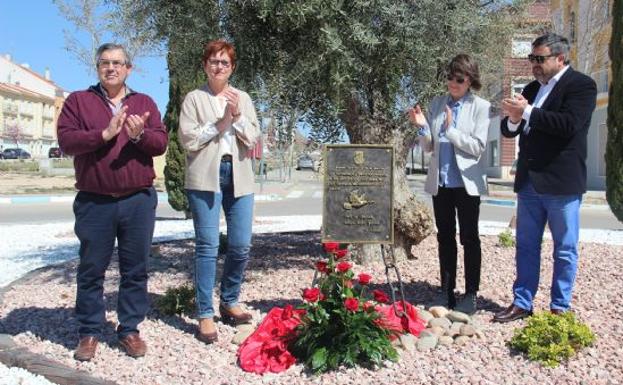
[(553, 153)]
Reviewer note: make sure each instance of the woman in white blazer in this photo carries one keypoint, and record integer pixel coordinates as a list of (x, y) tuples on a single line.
[(455, 130)]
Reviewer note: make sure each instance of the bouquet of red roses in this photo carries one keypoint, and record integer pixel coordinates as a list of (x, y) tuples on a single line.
[(341, 325)]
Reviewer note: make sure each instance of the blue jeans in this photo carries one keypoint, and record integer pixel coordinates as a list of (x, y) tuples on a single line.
[(562, 212), (206, 210), (99, 220)]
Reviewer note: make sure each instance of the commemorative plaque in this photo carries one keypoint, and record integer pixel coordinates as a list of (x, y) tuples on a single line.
[(358, 194)]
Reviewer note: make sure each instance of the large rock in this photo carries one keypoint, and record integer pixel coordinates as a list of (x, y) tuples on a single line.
[(468, 330), (426, 342), (408, 341), (457, 316), (445, 341), (443, 323), (438, 311), (425, 315)]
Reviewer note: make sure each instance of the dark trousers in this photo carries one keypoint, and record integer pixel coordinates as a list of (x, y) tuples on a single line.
[(101, 219), (448, 204)]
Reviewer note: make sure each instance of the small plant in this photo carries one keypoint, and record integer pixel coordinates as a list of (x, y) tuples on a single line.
[(506, 238), (177, 301), (340, 326), (551, 339)]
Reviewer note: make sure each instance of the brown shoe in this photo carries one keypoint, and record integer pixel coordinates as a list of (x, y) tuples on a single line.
[(234, 316), (208, 337), (557, 311), (511, 313), (133, 345), (86, 348)]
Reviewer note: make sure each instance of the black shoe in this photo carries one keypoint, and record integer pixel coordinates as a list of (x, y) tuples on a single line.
[(445, 298), (467, 304), (511, 313)]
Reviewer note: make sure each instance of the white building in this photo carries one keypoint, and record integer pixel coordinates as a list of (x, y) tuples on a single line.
[(29, 107)]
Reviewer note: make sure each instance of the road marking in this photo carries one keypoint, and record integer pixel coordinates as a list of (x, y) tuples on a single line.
[(60, 199), (295, 194)]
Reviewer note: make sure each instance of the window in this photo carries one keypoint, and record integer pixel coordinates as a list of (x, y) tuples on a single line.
[(521, 48)]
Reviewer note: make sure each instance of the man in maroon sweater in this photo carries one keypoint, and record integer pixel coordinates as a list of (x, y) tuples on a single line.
[(113, 134)]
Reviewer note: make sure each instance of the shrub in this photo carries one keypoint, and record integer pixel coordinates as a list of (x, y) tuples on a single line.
[(551, 339), (20, 165), (506, 238), (177, 301)]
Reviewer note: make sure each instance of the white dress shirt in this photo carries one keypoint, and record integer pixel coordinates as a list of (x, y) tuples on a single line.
[(540, 98)]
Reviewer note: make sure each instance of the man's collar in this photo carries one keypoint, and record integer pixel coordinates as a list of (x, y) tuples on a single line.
[(557, 77)]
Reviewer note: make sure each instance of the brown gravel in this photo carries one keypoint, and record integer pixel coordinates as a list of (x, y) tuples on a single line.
[(37, 311)]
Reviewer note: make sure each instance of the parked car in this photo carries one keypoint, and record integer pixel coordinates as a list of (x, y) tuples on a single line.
[(305, 161), (15, 153), (55, 152)]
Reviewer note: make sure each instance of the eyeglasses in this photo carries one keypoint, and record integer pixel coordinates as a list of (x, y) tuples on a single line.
[(539, 58), (456, 78), (216, 62), (107, 63)]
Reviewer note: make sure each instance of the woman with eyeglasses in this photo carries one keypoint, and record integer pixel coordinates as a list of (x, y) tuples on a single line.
[(455, 129), (218, 126)]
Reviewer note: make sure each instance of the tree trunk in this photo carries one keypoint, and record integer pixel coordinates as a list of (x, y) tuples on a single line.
[(614, 148), (413, 220)]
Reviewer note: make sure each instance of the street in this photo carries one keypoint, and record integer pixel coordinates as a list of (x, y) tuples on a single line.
[(303, 196)]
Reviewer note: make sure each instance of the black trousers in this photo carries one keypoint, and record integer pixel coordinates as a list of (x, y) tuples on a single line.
[(448, 204)]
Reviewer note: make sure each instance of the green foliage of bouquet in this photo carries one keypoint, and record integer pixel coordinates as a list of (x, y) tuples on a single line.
[(177, 301), (340, 324), (551, 339)]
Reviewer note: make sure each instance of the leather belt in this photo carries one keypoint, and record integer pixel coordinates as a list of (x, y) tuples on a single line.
[(226, 158), (126, 193)]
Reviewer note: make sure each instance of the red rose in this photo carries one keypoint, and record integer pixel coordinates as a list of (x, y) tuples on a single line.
[(321, 266), (364, 278), (368, 306), (380, 296), (343, 267), (351, 304), (330, 247), (339, 254), (311, 295)]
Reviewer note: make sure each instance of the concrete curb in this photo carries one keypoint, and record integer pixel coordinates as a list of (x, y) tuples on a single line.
[(30, 199)]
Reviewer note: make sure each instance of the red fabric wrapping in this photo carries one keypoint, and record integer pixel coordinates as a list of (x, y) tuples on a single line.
[(410, 323), (266, 349)]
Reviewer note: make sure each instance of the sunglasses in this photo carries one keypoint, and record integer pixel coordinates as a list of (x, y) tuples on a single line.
[(456, 78), (540, 59)]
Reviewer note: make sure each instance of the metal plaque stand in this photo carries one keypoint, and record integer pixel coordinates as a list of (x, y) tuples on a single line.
[(390, 264)]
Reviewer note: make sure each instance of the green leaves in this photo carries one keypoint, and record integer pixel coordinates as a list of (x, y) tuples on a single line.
[(340, 329), (551, 339), (177, 301)]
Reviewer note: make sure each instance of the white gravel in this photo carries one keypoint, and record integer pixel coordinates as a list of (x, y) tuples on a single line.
[(15, 376), (38, 311)]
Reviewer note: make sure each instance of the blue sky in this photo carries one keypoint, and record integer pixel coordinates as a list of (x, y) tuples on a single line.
[(31, 31)]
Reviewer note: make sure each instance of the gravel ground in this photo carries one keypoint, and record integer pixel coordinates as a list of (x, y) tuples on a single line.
[(38, 312)]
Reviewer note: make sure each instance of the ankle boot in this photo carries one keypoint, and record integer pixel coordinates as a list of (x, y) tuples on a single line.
[(467, 304)]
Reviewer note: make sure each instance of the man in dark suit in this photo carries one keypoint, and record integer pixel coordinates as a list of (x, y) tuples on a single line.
[(551, 117)]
